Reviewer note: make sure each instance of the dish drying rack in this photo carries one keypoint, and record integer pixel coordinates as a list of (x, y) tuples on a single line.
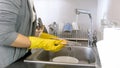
[(83, 35)]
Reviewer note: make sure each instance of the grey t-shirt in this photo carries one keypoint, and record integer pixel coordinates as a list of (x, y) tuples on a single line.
[(15, 17)]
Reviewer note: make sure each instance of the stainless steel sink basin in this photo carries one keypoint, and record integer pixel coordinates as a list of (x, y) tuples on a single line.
[(81, 53), (86, 56)]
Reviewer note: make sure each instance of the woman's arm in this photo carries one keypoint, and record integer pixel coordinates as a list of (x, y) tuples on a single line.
[(21, 41)]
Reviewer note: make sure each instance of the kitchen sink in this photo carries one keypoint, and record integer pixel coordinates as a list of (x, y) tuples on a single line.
[(87, 56), (82, 54)]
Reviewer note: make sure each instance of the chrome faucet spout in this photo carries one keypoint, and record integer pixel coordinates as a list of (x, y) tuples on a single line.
[(91, 40), (78, 11)]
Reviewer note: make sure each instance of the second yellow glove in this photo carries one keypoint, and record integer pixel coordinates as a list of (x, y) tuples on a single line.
[(48, 36), (47, 44)]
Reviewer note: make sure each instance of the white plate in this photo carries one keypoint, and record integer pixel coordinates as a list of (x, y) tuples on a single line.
[(65, 59)]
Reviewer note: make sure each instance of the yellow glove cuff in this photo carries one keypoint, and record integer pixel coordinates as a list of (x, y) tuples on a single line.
[(34, 42)]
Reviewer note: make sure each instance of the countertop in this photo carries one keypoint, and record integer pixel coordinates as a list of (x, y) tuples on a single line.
[(109, 48), (109, 54)]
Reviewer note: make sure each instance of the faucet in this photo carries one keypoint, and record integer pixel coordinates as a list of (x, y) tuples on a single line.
[(91, 39)]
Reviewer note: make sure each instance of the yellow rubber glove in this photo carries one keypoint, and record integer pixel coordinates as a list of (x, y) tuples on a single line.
[(47, 36), (47, 44)]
